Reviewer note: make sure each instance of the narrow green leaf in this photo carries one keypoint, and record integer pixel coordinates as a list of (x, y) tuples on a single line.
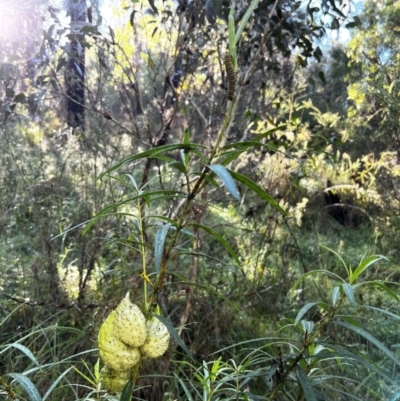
[(26, 351), (351, 357), (209, 289), (55, 383), (219, 238), (109, 210), (244, 20), (152, 153), (312, 273), (174, 334), (185, 153), (126, 394), (159, 245), (384, 287), (335, 295), (231, 29), (305, 384), (133, 181), (364, 264), (185, 389), (257, 189), (307, 326), (339, 257), (179, 166), (371, 339), (27, 385), (226, 178), (351, 320), (86, 377), (12, 312), (303, 311), (348, 290)]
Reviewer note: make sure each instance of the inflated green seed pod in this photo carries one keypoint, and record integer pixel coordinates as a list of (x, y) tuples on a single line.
[(130, 324), (157, 340), (113, 352), (113, 380)]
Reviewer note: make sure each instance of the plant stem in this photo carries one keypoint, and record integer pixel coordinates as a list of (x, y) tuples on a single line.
[(322, 324)]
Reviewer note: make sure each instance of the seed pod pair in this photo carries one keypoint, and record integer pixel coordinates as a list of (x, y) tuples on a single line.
[(124, 338), (115, 354)]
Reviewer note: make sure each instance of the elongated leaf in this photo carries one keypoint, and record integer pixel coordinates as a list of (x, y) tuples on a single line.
[(54, 384), (12, 312), (348, 290), (312, 273), (371, 339), (159, 245), (133, 181), (305, 384), (364, 265), (126, 394), (351, 357), (152, 153), (244, 20), (27, 385), (307, 326), (257, 189), (209, 289), (86, 377), (231, 36), (335, 295), (185, 389), (339, 257), (351, 320), (384, 287), (174, 334), (219, 238), (185, 153), (109, 210), (226, 178), (179, 166), (303, 311), (26, 351)]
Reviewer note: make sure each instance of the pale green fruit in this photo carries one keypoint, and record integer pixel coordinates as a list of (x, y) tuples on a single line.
[(113, 352), (130, 324), (157, 340), (113, 380)]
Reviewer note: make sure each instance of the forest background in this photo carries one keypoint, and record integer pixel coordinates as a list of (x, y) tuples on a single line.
[(228, 163)]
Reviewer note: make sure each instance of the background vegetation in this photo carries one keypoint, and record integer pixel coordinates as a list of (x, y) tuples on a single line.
[(250, 215)]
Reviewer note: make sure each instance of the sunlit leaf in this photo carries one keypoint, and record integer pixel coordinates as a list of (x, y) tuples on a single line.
[(27, 385), (257, 189), (153, 153), (348, 290), (159, 245), (365, 263), (335, 295), (226, 178), (26, 351)]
